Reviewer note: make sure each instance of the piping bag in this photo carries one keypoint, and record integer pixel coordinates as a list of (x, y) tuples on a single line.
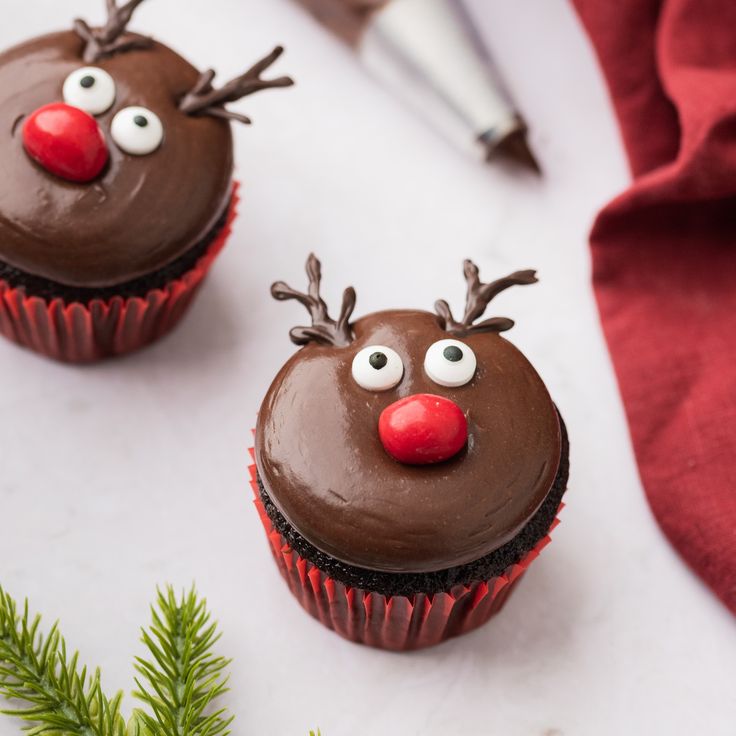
[(429, 54)]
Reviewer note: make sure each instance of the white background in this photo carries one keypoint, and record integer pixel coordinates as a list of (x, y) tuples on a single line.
[(117, 477)]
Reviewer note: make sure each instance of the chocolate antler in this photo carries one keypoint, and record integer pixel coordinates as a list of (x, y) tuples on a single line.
[(204, 99), (111, 39), (478, 298), (324, 328)]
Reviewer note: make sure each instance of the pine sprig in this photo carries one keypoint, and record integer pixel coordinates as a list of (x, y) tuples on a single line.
[(183, 676), (53, 696)]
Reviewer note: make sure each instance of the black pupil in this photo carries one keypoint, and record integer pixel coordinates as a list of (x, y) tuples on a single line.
[(453, 353), (87, 81), (378, 360), (140, 121)]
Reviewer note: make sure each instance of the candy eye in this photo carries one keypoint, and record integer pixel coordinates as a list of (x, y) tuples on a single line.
[(137, 131), (450, 363), (377, 368), (90, 89)]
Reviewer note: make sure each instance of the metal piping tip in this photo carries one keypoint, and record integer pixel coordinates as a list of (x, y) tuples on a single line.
[(436, 39), (513, 146), (430, 46)]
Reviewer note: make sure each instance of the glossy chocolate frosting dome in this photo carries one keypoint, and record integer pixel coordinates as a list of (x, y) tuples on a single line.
[(143, 212), (321, 460)]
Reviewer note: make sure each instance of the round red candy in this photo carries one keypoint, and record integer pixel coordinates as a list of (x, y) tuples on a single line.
[(423, 429), (66, 141)]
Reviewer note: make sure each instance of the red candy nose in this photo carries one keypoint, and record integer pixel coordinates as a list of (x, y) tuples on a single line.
[(66, 141), (423, 429)]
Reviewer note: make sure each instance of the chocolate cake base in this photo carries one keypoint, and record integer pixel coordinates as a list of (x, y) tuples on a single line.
[(408, 584), (141, 286), (86, 325)]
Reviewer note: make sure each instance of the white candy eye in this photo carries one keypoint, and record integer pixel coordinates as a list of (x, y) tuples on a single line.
[(377, 368), (137, 131), (90, 89), (450, 363)]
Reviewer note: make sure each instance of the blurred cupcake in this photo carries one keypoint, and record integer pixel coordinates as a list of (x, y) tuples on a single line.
[(117, 191), (408, 466)]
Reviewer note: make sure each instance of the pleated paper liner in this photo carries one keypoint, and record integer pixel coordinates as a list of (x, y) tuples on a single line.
[(84, 332), (399, 623)]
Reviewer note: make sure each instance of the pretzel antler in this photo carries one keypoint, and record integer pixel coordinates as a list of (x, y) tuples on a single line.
[(324, 328), (204, 99), (111, 38), (478, 298)]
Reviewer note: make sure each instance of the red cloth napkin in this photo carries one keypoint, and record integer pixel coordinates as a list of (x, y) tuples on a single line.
[(664, 263)]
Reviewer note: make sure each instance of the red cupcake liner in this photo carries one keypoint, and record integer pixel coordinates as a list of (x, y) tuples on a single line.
[(398, 623), (84, 332)]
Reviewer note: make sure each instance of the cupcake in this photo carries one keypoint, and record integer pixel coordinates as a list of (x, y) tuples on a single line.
[(118, 189), (409, 466)]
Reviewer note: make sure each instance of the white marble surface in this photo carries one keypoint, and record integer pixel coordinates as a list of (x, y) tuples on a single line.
[(117, 477)]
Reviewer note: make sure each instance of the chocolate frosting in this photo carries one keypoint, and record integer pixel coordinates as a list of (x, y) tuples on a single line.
[(321, 461), (143, 212)]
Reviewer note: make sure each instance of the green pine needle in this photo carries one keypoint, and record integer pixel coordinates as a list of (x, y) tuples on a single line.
[(183, 676), (53, 695)]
